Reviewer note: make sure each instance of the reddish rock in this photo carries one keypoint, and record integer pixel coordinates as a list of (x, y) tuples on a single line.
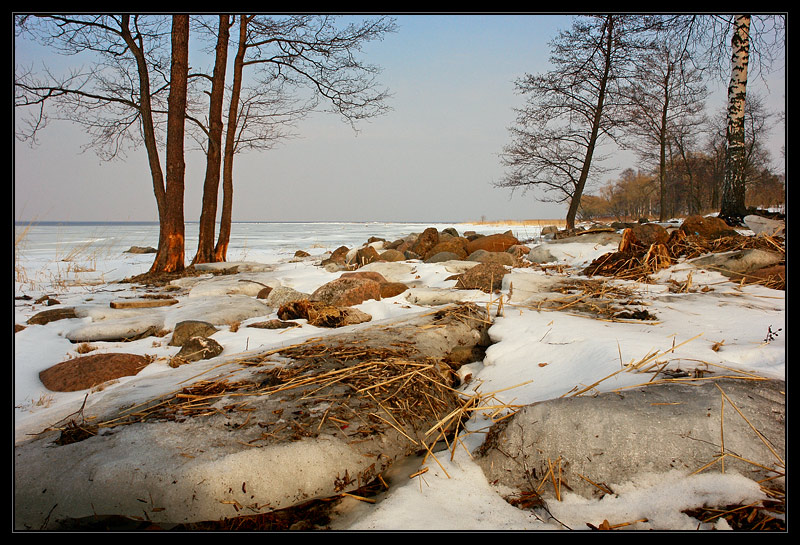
[(347, 291), (486, 277), (391, 289), (264, 292), (707, 227), (455, 245), (89, 371), (47, 316), (425, 241), (641, 237), (372, 275), (393, 255), (365, 255), (499, 242), (338, 256)]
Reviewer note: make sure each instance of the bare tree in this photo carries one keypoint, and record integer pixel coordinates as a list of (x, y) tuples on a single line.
[(119, 99), (170, 255), (571, 108), (299, 62), (667, 96)]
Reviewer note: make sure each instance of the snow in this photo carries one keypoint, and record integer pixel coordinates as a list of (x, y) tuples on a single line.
[(537, 355)]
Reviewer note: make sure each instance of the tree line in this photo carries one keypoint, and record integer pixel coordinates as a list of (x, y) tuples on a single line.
[(140, 88), (638, 82)]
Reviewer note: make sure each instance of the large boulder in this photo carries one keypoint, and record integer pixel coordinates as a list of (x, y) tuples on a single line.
[(426, 240), (347, 291), (499, 242), (187, 329), (456, 246), (128, 328), (392, 255), (707, 227), (487, 277), (196, 349), (619, 437), (52, 315), (86, 372), (502, 258), (283, 294), (738, 262)]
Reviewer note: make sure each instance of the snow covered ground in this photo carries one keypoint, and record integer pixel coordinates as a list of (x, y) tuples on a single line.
[(537, 355)]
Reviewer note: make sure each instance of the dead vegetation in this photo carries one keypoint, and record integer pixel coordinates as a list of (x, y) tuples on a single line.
[(631, 262)]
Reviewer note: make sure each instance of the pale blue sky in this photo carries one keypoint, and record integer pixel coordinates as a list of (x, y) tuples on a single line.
[(432, 158)]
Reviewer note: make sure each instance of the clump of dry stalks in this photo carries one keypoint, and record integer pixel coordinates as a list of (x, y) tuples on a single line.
[(599, 299), (637, 263)]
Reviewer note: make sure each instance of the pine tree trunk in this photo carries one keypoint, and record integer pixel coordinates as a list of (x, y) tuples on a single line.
[(170, 255), (733, 189), (208, 214)]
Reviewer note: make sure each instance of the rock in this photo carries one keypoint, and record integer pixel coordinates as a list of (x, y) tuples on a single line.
[(18, 328), (392, 272), (187, 329), (541, 254), (519, 250), (263, 293), (141, 250), (273, 324), (130, 328), (365, 255), (392, 255), (52, 315), (301, 253), (487, 277), (86, 372), (432, 297), (196, 349), (619, 437), (707, 227), (218, 309), (338, 256), (371, 275), (347, 291), (738, 262), (441, 257), (249, 284), (603, 238), (502, 258), (767, 226), (453, 245), (640, 237), (549, 230), (392, 289), (283, 294), (450, 231), (499, 242), (427, 240), (321, 314)]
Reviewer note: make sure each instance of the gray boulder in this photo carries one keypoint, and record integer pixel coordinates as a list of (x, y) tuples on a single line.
[(190, 328), (617, 437)]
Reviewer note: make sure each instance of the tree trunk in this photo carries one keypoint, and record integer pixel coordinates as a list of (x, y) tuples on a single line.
[(598, 113), (170, 256), (733, 189), (208, 214), (146, 114), (221, 249)]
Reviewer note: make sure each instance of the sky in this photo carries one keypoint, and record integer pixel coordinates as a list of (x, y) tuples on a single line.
[(433, 157)]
